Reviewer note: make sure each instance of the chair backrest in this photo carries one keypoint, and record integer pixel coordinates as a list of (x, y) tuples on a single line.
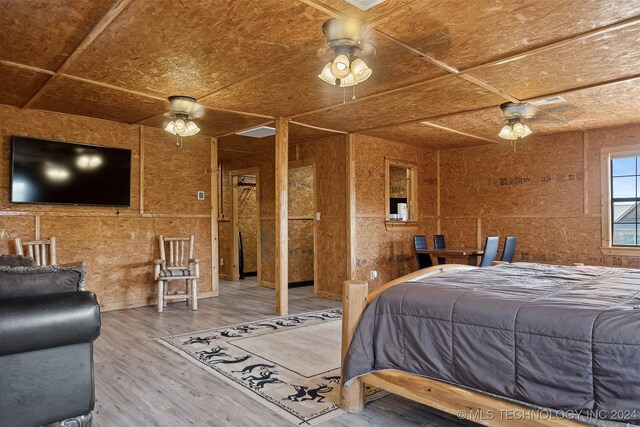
[(424, 260), (177, 251), (420, 242), (438, 242), (509, 249), (490, 251), (43, 252)]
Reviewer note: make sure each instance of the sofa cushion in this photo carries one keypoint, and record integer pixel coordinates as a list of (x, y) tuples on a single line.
[(16, 261), (28, 281)]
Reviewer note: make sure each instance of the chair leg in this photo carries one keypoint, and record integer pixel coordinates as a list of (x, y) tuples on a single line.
[(194, 295), (160, 284), (188, 291), (166, 292)]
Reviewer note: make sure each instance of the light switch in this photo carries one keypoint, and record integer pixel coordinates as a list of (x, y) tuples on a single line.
[(200, 195), (317, 216)]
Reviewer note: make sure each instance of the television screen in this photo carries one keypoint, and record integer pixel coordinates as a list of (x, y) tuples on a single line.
[(55, 172)]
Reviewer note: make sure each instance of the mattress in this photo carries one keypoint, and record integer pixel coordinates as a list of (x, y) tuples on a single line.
[(553, 336)]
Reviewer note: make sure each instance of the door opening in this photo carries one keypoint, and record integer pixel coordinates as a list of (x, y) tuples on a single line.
[(246, 225)]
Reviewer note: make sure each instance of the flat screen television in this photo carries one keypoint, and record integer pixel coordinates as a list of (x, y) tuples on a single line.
[(55, 172)]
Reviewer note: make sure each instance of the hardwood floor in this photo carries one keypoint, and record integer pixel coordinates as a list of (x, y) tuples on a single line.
[(141, 383)]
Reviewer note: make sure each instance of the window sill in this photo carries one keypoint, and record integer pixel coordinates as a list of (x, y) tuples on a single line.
[(621, 251), (401, 225)]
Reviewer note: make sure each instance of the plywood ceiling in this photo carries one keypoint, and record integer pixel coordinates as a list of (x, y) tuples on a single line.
[(238, 145), (440, 71)]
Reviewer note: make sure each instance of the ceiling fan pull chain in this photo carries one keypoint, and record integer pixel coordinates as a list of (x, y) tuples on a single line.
[(344, 96), (353, 98)]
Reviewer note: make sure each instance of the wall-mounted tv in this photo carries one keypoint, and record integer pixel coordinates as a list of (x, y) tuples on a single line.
[(55, 172)]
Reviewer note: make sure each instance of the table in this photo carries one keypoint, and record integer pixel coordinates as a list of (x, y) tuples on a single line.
[(470, 253)]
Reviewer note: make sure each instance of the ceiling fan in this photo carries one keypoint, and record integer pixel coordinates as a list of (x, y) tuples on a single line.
[(519, 116), (345, 39), (184, 110)]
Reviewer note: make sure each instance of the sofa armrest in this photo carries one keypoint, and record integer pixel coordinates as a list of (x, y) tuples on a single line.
[(45, 321)]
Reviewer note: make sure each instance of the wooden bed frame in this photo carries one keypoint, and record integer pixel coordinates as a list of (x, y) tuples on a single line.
[(466, 404)]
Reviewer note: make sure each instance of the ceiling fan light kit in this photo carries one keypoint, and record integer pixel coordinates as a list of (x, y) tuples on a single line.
[(344, 37), (514, 129), (184, 109)]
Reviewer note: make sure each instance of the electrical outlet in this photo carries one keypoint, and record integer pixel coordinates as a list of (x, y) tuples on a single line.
[(221, 261), (200, 195), (317, 216), (373, 275)]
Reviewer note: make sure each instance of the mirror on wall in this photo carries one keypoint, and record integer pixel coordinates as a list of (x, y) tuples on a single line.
[(400, 191)]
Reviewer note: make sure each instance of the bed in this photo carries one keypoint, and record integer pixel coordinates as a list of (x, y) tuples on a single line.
[(490, 344)]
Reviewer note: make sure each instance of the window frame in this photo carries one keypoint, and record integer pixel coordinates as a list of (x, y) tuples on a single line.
[(412, 193), (606, 181)]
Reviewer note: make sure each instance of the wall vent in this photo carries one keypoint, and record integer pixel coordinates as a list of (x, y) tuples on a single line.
[(259, 132), (547, 101), (364, 4)]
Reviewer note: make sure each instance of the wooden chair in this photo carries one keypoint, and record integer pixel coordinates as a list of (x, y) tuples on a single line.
[(43, 252), (179, 265)]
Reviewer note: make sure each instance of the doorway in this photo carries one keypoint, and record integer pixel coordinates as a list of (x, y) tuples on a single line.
[(302, 224), (245, 224)]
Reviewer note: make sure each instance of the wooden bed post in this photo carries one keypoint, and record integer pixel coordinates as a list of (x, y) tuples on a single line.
[(354, 301)]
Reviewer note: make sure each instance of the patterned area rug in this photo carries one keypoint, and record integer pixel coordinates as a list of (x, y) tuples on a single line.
[(290, 364)]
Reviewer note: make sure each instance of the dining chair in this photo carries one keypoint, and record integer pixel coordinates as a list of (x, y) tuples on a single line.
[(43, 252), (439, 243), (509, 249), (180, 264), (424, 260), (490, 251)]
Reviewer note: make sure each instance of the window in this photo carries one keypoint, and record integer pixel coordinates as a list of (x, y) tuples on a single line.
[(400, 193), (625, 197), (620, 201)]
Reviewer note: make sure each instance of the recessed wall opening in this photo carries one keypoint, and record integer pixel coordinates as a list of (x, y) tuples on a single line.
[(247, 235), (245, 205), (301, 225)]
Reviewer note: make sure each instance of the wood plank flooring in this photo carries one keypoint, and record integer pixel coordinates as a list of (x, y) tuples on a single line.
[(141, 383)]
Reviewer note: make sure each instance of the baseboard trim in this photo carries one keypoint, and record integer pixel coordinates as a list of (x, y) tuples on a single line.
[(123, 305)]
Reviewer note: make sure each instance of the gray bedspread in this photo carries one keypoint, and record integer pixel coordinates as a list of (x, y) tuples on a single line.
[(554, 336)]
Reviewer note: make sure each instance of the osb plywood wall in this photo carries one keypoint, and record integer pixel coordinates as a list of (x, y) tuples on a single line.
[(118, 244), (547, 194), (389, 252), (247, 223), (328, 157)]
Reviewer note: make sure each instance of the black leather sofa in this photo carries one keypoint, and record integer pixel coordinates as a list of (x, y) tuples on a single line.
[(47, 327)]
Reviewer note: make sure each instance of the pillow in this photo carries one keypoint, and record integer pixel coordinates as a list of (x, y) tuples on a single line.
[(16, 261), (28, 281)]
